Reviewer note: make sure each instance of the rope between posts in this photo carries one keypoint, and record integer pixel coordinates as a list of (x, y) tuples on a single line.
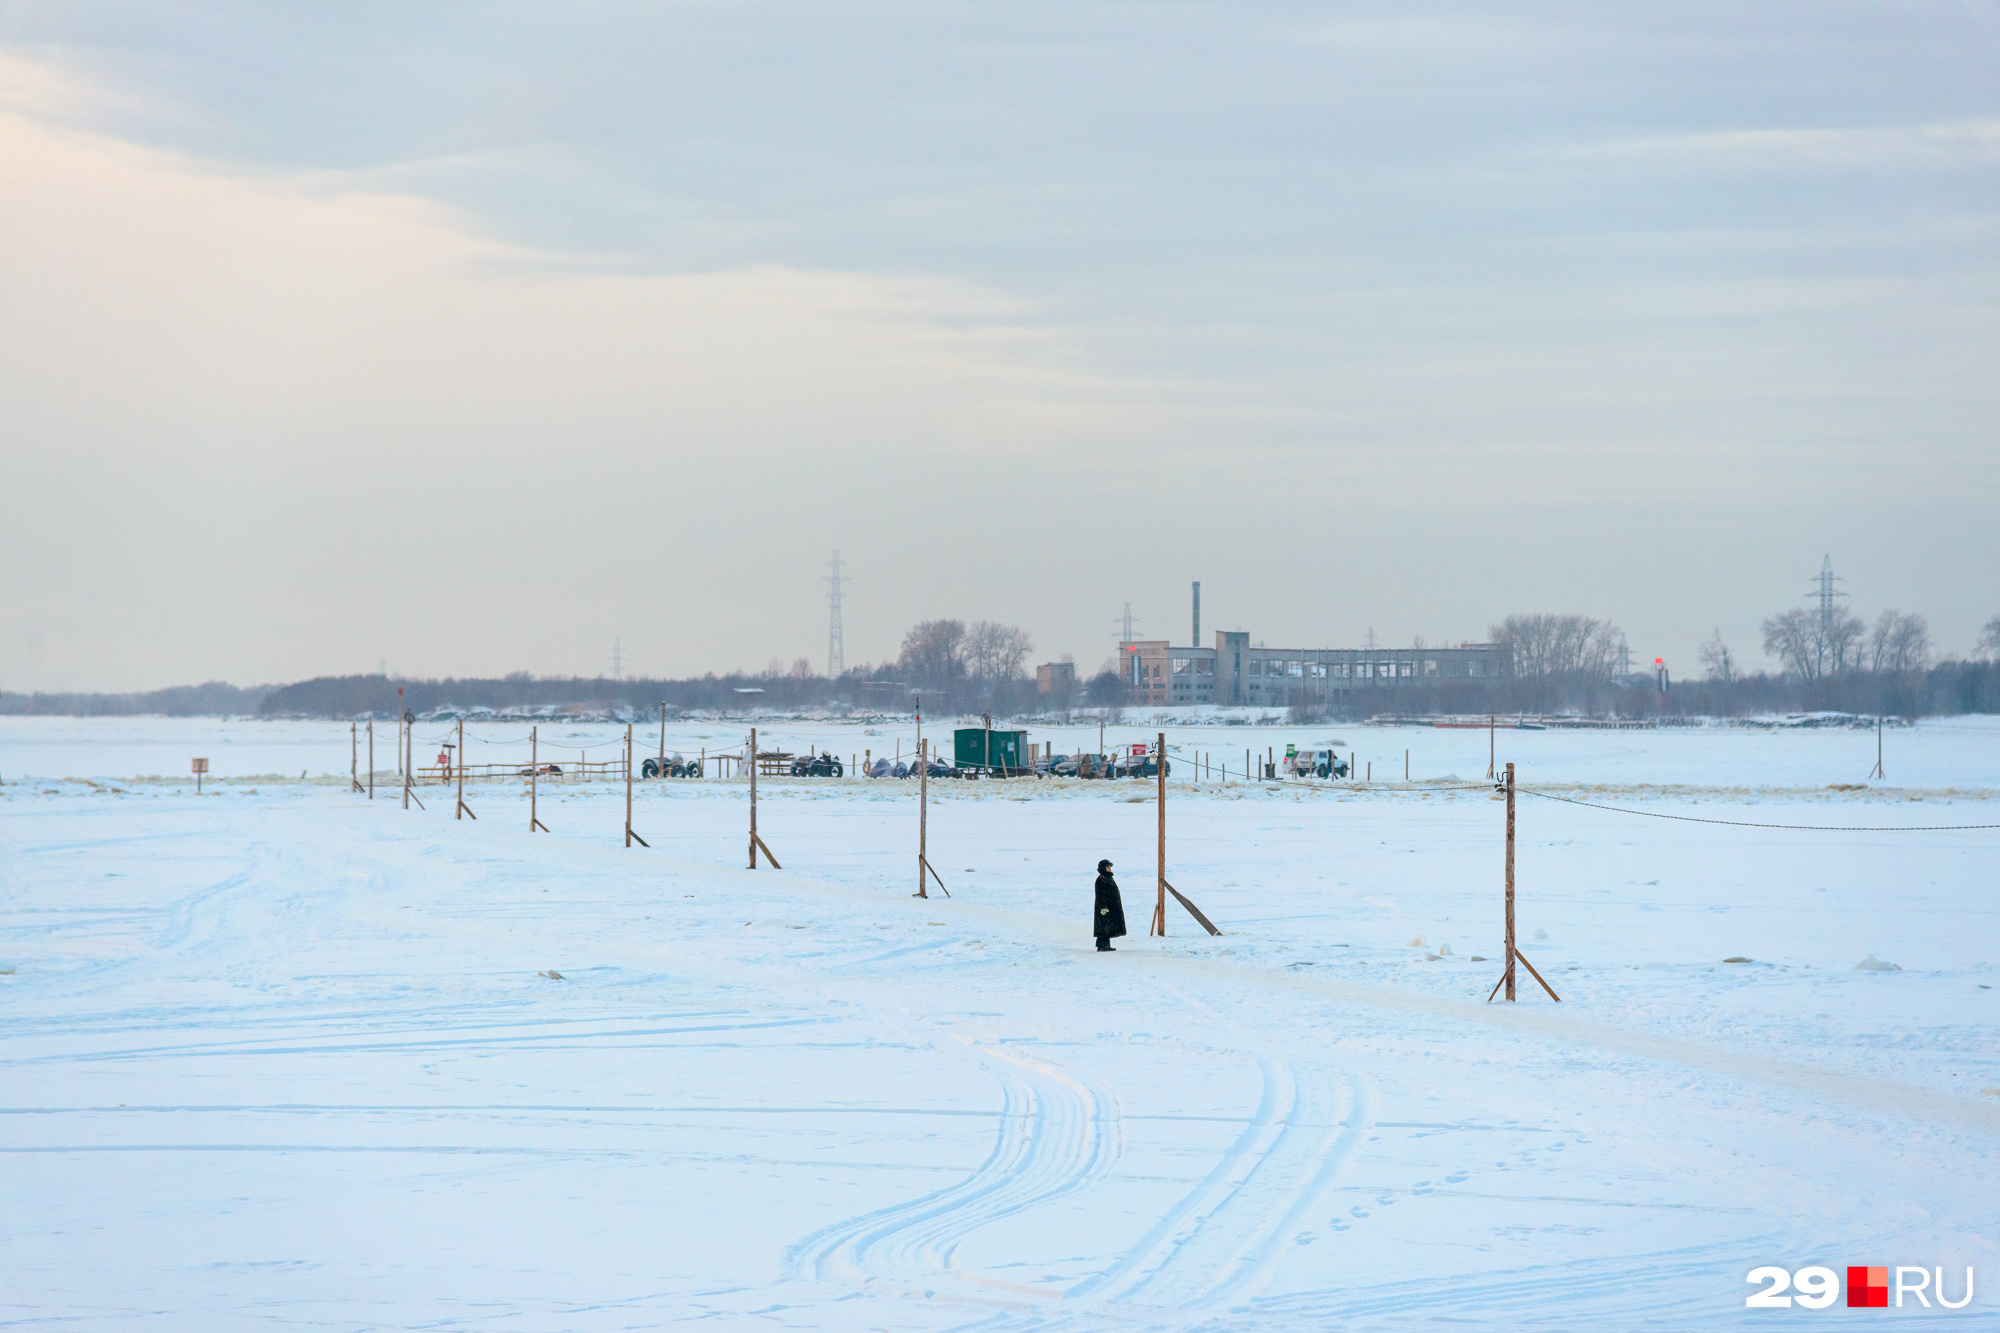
[(1740, 823)]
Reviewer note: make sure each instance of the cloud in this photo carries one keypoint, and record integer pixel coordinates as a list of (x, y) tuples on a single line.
[(1941, 144), (234, 403)]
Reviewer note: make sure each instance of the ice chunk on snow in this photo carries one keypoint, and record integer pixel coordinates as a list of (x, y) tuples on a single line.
[(1541, 934), (1417, 943), (1873, 964)]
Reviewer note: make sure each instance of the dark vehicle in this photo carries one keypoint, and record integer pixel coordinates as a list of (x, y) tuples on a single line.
[(543, 769), (675, 767), (817, 766), (937, 770), (1074, 766), (1142, 766)]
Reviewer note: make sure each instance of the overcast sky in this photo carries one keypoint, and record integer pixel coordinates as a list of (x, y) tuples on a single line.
[(468, 338)]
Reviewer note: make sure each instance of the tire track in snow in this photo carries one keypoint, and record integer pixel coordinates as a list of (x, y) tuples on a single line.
[(1057, 1133)]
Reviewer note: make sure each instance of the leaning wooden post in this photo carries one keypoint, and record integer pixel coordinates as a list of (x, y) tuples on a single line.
[(923, 819), (753, 798), (1160, 907), (1509, 979)]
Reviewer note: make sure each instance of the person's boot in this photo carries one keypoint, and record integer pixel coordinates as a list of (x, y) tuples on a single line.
[(1104, 946)]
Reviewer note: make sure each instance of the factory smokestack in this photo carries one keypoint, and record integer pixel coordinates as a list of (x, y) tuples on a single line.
[(1196, 641)]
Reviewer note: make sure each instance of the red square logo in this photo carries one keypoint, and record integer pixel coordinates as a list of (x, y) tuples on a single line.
[(1867, 1286)]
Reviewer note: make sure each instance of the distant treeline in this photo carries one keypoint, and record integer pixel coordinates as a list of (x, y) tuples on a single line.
[(1947, 688), (355, 696), (215, 699)]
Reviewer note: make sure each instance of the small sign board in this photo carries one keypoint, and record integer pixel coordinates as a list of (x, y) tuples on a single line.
[(201, 765)]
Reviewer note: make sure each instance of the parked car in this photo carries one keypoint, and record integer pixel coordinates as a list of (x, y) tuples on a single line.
[(1317, 764), (817, 766)]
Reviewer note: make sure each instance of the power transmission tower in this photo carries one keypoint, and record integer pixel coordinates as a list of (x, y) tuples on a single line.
[(836, 638), (1371, 638), (617, 660), (1126, 622), (1825, 589)]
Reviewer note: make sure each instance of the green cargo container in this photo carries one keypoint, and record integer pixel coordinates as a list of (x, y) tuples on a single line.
[(969, 749)]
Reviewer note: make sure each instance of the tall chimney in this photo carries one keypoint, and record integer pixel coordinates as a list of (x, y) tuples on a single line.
[(1197, 613)]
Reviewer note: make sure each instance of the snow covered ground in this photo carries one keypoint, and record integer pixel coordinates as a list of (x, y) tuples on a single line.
[(279, 1057)]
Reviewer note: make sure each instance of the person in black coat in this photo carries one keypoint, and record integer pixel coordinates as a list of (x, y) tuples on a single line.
[(1109, 919)]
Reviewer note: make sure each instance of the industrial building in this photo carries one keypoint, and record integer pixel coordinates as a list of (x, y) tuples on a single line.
[(1056, 678), (1234, 672)]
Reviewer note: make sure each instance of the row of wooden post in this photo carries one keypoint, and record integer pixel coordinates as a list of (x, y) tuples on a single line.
[(406, 742)]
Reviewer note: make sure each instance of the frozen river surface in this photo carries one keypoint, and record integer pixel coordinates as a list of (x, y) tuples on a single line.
[(281, 1058)]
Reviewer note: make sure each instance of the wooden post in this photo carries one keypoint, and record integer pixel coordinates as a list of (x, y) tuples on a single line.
[(628, 776), (663, 738), (753, 798), (1878, 773), (1160, 907), (1246, 765), (460, 812), (1491, 722), (1513, 953), (354, 755), (405, 747), (923, 819), (371, 758), (989, 742), (534, 776), (1406, 765), (1509, 978)]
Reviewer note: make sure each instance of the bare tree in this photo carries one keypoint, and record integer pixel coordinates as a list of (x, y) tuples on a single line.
[(1844, 637), (997, 652), (1810, 645), (1900, 642), (1793, 638), (1715, 655), (1989, 638), (1582, 648), (934, 652)]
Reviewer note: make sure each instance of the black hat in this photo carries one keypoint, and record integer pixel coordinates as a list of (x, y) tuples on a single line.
[(1104, 865)]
